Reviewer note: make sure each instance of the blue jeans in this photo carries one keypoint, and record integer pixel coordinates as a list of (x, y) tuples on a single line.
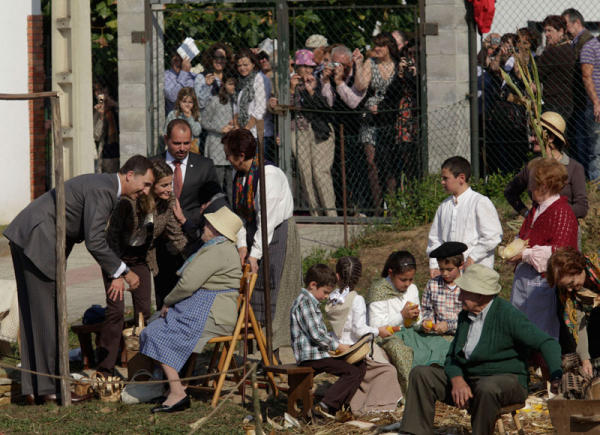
[(587, 143)]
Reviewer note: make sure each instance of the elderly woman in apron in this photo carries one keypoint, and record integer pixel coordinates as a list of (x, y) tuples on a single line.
[(551, 224), (283, 244), (201, 306)]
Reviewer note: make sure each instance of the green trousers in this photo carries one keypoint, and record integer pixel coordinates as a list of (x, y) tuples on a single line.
[(430, 383)]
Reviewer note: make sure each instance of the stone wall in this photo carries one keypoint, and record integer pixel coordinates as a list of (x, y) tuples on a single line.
[(447, 82)]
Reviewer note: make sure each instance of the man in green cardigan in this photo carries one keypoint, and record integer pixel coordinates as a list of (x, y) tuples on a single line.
[(486, 366)]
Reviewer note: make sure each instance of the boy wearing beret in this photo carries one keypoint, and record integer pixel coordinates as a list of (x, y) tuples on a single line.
[(439, 304)]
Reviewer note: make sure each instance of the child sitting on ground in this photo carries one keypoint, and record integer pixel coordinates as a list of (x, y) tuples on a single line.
[(439, 301), (394, 301), (347, 314), (465, 216), (311, 343)]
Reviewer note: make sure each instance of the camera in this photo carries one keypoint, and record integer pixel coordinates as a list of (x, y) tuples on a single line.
[(333, 64)]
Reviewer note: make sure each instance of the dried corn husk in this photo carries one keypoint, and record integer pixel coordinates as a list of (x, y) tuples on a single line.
[(513, 248)]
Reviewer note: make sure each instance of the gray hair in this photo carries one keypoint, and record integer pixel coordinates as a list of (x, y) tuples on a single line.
[(341, 50)]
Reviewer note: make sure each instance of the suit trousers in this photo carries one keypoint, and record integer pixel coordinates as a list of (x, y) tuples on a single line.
[(38, 325), (430, 383), (314, 163), (110, 337), (350, 377)]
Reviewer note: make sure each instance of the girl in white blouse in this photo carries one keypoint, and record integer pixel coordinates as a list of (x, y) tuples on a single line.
[(347, 314)]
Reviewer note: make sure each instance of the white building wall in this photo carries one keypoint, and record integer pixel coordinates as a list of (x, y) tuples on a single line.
[(14, 115), (513, 14)]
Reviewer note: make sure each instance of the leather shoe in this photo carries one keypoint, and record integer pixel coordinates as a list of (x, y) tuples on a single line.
[(179, 406)]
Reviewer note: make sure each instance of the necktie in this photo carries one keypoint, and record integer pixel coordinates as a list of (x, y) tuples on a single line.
[(177, 178)]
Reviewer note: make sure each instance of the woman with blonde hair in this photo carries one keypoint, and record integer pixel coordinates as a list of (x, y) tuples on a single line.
[(133, 227), (550, 225)]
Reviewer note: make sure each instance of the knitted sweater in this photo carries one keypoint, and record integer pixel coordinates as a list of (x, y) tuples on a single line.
[(506, 340), (556, 226)]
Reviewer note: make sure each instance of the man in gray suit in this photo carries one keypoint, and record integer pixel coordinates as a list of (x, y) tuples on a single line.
[(32, 235)]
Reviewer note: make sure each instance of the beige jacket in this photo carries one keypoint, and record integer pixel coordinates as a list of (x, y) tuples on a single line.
[(217, 267)]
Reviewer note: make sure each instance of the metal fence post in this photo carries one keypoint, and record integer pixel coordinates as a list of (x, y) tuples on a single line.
[(284, 120), (150, 100), (474, 112)]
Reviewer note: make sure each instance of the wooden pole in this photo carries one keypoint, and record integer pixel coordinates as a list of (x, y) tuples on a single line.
[(61, 270), (344, 199), (256, 402), (265, 249)]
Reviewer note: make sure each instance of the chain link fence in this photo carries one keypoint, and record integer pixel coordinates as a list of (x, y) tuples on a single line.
[(558, 47), (358, 125)]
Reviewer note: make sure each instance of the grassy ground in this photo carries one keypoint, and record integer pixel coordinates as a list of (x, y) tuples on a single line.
[(372, 247)]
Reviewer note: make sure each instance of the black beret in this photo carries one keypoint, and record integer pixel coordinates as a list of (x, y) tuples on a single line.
[(448, 249)]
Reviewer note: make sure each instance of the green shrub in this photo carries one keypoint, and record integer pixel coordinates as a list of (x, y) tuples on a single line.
[(417, 203), (317, 255)]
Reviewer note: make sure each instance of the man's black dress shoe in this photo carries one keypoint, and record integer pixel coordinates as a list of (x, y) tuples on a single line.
[(179, 406)]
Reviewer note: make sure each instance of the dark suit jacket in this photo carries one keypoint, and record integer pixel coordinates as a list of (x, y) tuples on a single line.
[(89, 202), (200, 170)]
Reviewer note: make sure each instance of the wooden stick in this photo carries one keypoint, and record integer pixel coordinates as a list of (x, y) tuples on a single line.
[(31, 96), (265, 249), (61, 283), (344, 200), (256, 402)]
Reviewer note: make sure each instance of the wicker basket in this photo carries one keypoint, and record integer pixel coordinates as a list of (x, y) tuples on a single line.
[(108, 389), (131, 336)]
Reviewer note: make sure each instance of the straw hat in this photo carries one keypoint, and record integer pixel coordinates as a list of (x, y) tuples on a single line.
[(316, 41), (225, 222), (359, 350), (554, 123), (479, 279)]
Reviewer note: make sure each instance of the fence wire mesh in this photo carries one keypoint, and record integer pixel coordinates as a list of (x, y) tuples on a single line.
[(551, 31), (357, 90)]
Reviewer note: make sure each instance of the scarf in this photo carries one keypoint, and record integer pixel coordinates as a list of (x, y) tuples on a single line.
[(245, 193), (246, 90), (213, 241), (382, 290)]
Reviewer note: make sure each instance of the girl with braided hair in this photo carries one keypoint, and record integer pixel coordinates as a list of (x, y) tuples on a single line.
[(347, 314)]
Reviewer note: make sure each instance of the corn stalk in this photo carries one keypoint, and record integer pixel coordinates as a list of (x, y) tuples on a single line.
[(533, 100)]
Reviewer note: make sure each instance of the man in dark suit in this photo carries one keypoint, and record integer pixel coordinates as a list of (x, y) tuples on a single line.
[(191, 173), (32, 234)]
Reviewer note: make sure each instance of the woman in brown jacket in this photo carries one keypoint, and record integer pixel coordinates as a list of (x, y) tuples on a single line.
[(132, 230)]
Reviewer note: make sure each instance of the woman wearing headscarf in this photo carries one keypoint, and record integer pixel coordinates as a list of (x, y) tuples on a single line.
[(201, 306)]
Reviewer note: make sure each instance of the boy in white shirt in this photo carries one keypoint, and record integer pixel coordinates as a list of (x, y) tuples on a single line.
[(465, 216)]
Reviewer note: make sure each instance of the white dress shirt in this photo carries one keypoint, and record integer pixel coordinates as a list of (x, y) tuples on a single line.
[(169, 159), (470, 218), (389, 312), (475, 329), (356, 323), (280, 207)]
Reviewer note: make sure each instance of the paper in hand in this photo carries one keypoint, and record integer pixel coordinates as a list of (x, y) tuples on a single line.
[(188, 49)]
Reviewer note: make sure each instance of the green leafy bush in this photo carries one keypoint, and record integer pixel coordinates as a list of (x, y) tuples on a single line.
[(418, 201)]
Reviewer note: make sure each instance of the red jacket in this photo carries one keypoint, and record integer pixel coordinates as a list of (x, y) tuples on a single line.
[(556, 226)]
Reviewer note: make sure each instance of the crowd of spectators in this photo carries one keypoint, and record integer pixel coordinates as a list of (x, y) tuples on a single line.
[(568, 63), (368, 93)]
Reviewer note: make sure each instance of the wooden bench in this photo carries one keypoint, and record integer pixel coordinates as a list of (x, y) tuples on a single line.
[(84, 334), (512, 410), (300, 382)]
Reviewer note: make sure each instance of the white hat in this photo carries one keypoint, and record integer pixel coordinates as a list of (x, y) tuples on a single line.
[(268, 45), (225, 222), (315, 41)]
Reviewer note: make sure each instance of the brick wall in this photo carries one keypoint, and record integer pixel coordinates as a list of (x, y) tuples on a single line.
[(36, 79)]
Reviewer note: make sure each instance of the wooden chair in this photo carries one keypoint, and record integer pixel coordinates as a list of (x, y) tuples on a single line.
[(512, 410), (225, 346), (300, 385)]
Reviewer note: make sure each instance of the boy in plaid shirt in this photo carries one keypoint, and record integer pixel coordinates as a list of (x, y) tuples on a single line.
[(311, 342), (439, 303)]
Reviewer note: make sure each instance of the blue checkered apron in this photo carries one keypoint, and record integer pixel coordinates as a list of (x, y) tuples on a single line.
[(171, 339)]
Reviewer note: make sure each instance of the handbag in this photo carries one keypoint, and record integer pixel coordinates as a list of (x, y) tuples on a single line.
[(141, 393)]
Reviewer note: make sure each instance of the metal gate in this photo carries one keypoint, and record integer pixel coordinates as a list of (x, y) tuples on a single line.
[(380, 137)]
